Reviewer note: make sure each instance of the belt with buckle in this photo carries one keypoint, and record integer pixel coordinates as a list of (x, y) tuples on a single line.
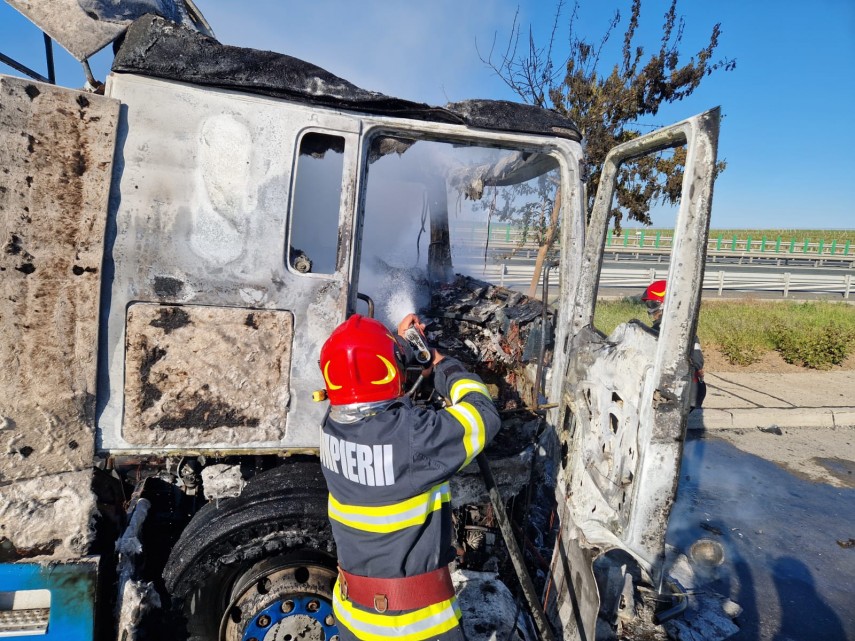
[(404, 593)]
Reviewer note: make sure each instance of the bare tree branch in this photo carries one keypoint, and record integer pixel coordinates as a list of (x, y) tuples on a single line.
[(607, 107)]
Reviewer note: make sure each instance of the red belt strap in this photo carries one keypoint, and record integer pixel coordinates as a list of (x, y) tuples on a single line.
[(405, 593)]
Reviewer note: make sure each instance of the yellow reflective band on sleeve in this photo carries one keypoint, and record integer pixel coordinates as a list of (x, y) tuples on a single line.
[(390, 518), (417, 625), (465, 385), (473, 429)]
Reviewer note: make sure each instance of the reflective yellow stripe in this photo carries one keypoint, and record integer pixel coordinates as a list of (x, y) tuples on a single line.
[(473, 429), (424, 623), (465, 385), (390, 518)]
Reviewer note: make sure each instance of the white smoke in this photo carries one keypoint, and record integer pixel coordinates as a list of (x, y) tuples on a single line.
[(395, 291)]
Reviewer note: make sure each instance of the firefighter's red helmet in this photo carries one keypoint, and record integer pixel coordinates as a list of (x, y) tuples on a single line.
[(655, 292), (654, 297), (360, 363)]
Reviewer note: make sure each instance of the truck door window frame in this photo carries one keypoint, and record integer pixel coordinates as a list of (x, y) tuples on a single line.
[(304, 254), (566, 161)]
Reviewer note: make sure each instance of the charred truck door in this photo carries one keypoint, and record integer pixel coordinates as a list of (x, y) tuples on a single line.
[(230, 235), (623, 398)]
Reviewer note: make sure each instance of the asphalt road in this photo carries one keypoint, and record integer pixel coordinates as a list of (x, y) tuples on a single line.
[(784, 262), (828, 278), (789, 541)]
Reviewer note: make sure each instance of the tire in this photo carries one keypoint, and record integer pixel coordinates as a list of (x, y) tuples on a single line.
[(276, 528)]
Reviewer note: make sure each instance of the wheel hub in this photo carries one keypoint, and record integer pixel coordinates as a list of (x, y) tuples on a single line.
[(276, 602), (273, 624)]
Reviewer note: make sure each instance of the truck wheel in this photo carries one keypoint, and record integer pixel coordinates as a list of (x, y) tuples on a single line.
[(283, 598), (259, 563)]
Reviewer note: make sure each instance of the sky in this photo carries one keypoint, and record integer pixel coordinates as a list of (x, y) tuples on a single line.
[(787, 133)]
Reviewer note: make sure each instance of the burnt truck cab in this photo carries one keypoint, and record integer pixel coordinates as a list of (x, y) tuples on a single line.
[(178, 250)]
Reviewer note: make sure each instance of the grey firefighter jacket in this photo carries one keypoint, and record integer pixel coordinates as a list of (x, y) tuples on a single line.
[(389, 498)]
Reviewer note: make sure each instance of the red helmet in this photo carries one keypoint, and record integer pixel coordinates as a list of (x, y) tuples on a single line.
[(360, 363), (654, 298), (655, 292)]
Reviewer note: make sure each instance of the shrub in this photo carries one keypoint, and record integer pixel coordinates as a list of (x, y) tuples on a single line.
[(818, 347), (741, 340)]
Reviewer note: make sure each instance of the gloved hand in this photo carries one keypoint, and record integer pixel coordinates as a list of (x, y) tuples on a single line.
[(408, 321)]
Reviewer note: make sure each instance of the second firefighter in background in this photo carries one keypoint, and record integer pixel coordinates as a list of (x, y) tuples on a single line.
[(654, 299), (387, 464)]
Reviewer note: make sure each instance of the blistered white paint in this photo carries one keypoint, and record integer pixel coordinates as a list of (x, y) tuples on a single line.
[(56, 512), (49, 317), (221, 481), (252, 297), (225, 189), (222, 377)]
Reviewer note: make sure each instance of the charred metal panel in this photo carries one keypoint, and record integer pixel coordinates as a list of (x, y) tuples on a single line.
[(157, 48), (201, 200), (56, 152), (200, 217), (608, 389), (83, 27), (66, 22), (624, 402), (47, 518), (206, 375)]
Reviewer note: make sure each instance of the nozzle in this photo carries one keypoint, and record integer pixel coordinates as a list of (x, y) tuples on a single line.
[(417, 341), (319, 395)]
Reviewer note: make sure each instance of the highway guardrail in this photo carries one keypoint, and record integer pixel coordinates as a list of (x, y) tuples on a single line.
[(510, 273), (656, 241)]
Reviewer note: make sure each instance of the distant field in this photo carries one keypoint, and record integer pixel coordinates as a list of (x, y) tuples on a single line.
[(799, 234), (815, 235)]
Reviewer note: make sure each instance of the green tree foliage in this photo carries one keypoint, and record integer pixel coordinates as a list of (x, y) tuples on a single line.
[(607, 101)]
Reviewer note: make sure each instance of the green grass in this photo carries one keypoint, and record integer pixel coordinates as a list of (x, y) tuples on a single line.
[(815, 334), (610, 314)]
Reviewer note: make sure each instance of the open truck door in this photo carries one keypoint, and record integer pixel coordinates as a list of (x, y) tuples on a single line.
[(623, 399)]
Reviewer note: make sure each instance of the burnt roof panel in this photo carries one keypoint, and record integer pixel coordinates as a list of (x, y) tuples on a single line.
[(162, 49), (504, 115)]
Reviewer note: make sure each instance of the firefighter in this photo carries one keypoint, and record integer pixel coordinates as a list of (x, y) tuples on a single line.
[(654, 299), (387, 464)]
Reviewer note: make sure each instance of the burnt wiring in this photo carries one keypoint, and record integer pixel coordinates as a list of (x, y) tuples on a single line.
[(425, 209)]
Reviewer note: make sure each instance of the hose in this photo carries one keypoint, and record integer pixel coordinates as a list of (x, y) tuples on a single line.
[(526, 583)]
